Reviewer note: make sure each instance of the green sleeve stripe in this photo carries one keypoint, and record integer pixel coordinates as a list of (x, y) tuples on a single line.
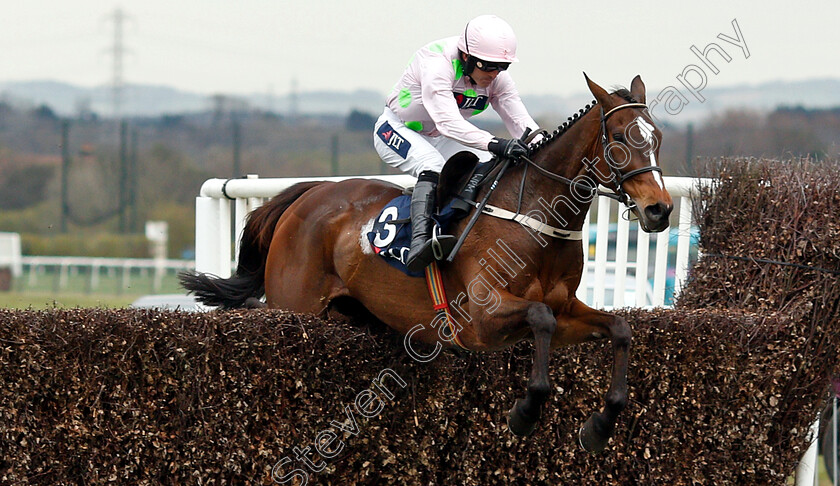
[(415, 125), (404, 98), (459, 68)]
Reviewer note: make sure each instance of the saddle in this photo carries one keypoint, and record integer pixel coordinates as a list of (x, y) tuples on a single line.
[(390, 236), (456, 173)]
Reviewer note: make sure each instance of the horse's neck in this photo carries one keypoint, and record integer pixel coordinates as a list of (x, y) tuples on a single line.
[(563, 156)]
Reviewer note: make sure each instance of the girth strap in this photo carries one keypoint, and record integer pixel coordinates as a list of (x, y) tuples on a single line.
[(532, 223)]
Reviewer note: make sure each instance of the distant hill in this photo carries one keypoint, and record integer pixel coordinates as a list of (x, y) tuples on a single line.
[(817, 93), (149, 100)]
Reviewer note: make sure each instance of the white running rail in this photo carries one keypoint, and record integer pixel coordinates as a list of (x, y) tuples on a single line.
[(225, 202), (92, 267)]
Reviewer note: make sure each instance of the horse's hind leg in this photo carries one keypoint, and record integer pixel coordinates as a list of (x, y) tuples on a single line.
[(598, 429), (254, 303), (526, 412)]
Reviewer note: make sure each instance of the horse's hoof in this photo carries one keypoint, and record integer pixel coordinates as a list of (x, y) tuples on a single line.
[(458, 353), (594, 436), (255, 303), (518, 422)]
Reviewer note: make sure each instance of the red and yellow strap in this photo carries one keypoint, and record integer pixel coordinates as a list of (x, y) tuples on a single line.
[(434, 282)]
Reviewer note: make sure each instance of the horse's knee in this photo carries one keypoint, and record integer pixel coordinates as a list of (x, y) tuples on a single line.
[(539, 390), (620, 332), (541, 319)]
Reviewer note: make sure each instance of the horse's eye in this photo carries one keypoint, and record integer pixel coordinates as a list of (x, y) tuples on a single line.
[(618, 137)]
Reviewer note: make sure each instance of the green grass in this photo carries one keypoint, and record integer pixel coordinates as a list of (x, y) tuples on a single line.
[(49, 300), (48, 288), (824, 480), (822, 475)]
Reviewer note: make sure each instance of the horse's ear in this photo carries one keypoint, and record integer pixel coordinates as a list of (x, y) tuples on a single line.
[(637, 89), (600, 94)]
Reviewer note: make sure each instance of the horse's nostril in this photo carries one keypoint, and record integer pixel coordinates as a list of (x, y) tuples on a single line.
[(657, 212)]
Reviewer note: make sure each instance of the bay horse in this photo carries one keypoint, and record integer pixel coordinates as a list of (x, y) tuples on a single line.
[(306, 248)]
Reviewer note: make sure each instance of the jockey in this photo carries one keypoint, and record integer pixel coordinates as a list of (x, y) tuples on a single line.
[(425, 117)]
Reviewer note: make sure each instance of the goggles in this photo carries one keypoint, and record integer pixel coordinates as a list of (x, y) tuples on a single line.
[(489, 66)]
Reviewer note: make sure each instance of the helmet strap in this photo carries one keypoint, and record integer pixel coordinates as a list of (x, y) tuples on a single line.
[(469, 66)]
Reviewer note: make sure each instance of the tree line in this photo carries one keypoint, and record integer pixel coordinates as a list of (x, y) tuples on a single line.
[(176, 153)]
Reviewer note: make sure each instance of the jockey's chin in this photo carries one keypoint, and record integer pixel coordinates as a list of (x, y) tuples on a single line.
[(483, 79)]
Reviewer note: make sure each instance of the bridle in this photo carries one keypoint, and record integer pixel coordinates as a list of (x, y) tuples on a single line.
[(623, 197), (620, 194)]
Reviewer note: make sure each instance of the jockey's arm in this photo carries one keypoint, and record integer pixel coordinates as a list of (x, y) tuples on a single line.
[(507, 103), (440, 103)]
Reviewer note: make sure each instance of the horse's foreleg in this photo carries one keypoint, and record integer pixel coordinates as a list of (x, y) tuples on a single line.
[(526, 412), (598, 429)]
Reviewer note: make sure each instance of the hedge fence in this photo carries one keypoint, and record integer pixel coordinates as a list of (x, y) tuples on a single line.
[(723, 388)]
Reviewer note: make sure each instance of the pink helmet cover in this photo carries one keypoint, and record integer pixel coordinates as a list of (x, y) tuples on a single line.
[(489, 38)]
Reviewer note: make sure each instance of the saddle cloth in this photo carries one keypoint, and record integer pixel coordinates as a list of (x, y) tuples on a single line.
[(391, 233)]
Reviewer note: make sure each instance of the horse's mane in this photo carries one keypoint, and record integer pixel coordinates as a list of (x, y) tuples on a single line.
[(624, 93)]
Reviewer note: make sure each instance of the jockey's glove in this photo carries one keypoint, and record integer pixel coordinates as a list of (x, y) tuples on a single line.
[(508, 148)]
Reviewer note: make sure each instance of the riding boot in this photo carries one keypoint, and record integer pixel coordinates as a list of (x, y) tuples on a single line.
[(422, 251), (465, 202)]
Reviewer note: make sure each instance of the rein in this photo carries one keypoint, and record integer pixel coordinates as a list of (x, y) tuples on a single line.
[(619, 195)]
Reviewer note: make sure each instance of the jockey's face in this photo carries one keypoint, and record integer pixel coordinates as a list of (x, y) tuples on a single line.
[(482, 78)]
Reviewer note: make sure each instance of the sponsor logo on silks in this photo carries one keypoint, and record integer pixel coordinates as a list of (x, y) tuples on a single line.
[(469, 101), (393, 140)]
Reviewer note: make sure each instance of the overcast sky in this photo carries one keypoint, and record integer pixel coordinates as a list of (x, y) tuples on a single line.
[(261, 46)]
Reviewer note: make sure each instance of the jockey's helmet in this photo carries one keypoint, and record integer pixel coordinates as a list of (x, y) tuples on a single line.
[(489, 38)]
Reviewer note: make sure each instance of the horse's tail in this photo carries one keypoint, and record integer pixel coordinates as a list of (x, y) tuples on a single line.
[(248, 282)]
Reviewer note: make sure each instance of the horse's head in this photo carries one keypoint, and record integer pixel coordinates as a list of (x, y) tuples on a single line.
[(628, 159)]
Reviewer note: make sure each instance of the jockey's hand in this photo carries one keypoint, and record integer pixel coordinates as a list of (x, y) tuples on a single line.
[(508, 148)]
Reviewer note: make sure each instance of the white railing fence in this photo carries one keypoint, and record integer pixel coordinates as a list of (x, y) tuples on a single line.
[(62, 269), (617, 259)]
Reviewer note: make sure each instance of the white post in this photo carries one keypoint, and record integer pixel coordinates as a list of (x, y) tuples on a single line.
[(833, 436), (621, 243), (602, 242), (10, 253), (642, 255), (94, 276), (64, 269), (206, 235), (33, 275), (683, 245), (806, 472), (224, 256), (126, 275), (660, 267), (581, 290), (157, 232), (239, 215)]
